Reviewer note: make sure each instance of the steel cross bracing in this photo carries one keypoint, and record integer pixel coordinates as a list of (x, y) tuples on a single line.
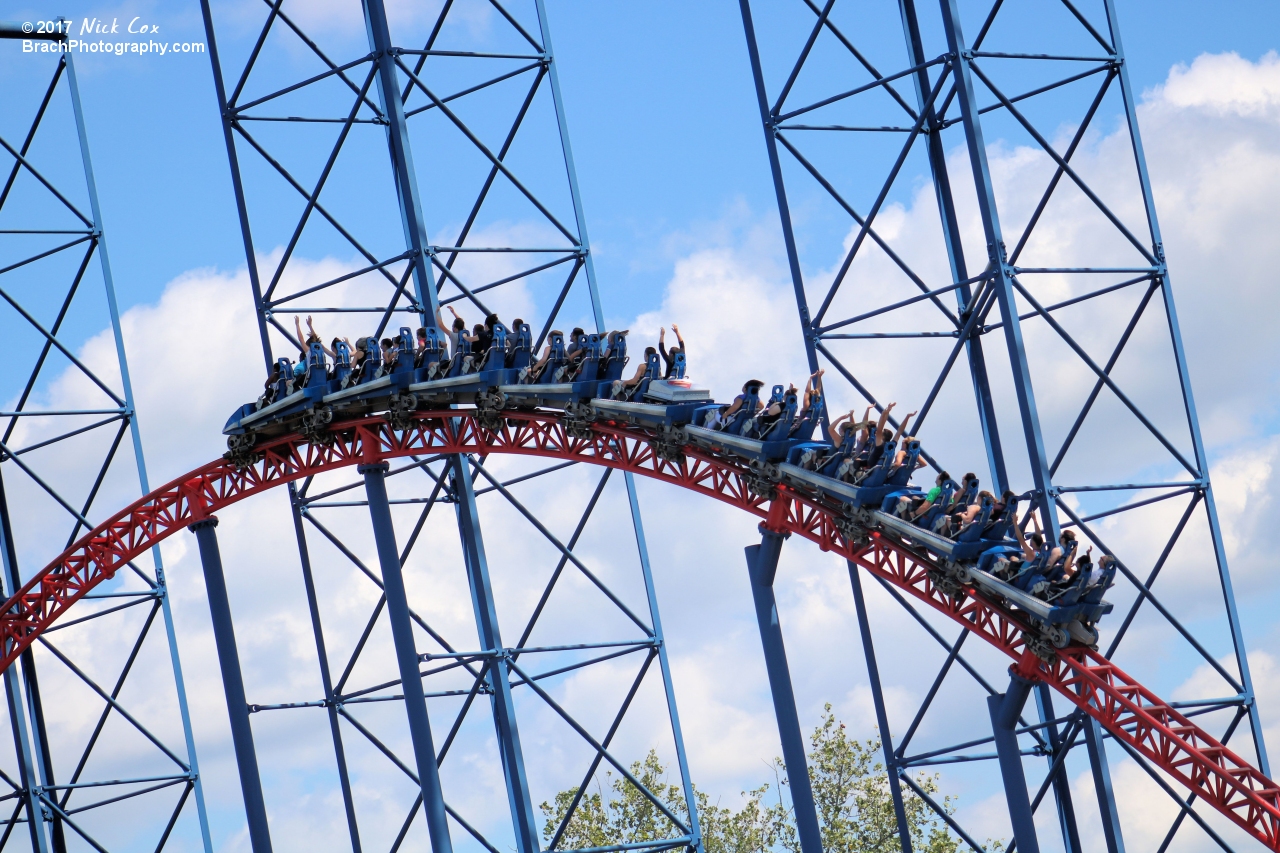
[(323, 130), (127, 775), (1152, 731), (1041, 295)]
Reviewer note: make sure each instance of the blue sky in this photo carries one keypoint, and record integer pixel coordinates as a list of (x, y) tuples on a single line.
[(661, 112), (681, 212)]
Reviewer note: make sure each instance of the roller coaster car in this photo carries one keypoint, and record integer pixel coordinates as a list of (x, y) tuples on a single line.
[(1069, 612), (472, 377), (655, 403), (286, 403), (564, 382), (763, 443), (878, 486)]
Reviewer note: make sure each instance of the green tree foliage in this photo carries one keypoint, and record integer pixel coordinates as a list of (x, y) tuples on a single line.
[(850, 788)]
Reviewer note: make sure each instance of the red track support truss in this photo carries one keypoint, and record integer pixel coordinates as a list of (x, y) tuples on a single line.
[(1130, 712)]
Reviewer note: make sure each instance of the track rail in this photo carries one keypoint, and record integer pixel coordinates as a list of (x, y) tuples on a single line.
[(1130, 712)]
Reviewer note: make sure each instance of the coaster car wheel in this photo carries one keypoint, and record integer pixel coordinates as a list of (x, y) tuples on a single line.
[(577, 421), (240, 449), (668, 444)]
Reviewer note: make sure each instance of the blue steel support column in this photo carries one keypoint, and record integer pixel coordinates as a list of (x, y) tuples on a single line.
[(955, 248), (1001, 271), (1184, 379), (762, 565), (504, 712), (237, 184), (1102, 784), (1005, 709), (18, 720), (580, 219), (677, 734), (233, 684), (882, 714), (35, 739), (1061, 784), (784, 208), (326, 677), (26, 766), (415, 230), (415, 704), (135, 432), (1003, 282)]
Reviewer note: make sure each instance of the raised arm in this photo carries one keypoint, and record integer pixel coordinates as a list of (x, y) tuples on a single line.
[(902, 427), (312, 328), (679, 339), (814, 386), (297, 328), (1028, 553), (884, 418)]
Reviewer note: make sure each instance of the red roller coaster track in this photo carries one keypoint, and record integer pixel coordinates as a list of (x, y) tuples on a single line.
[(1130, 712)]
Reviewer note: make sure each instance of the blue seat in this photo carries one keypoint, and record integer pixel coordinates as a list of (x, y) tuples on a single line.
[(878, 475), (404, 350), (1003, 527), (284, 384), (973, 530), (802, 429), (652, 372), (612, 366), (828, 458), (522, 351), (781, 426), (555, 359), (588, 367), (678, 365), (933, 513), (1093, 594), (1058, 570), (371, 366), (1032, 572), (899, 479), (434, 347), (460, 356), (753, 428), (341, 374), (902, 476), (969, 542), (495, 357), (743, 416), (317, 375)]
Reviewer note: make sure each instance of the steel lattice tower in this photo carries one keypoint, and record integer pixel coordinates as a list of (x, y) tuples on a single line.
[(71, 447), (860, 103), (481, 104)]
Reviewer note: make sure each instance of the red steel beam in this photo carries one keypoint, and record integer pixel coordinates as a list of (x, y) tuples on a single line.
[(1129, 711)]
